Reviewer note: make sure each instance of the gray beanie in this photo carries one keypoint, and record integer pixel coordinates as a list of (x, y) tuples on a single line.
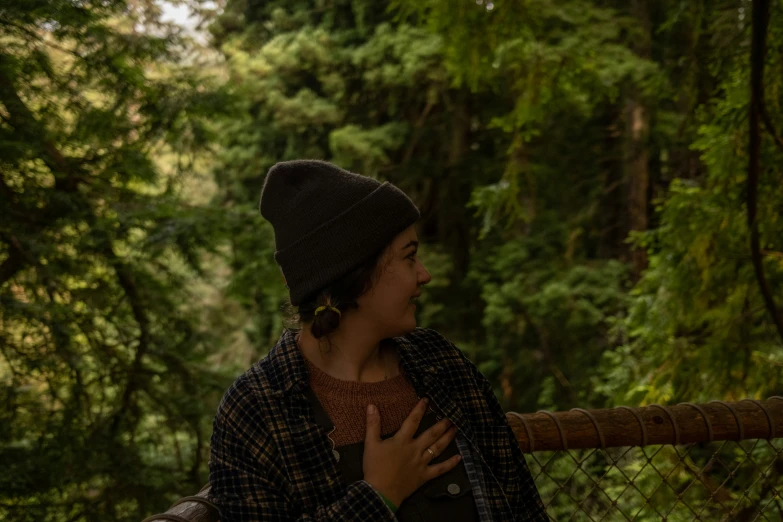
[(327, 221)]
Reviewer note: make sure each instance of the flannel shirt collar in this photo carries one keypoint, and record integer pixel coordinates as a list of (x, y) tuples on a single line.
[(287, 366)]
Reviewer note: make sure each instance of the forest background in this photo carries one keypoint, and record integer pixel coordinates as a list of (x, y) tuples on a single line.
[(581, 167)]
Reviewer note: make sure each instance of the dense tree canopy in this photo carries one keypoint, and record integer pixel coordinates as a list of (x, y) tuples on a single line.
[(105, 408), (590, 209)]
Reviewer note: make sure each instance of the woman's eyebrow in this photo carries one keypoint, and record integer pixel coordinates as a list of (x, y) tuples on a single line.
[(414, 244)]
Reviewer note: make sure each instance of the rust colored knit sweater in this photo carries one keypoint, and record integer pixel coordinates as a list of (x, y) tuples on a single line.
[(346, 403)]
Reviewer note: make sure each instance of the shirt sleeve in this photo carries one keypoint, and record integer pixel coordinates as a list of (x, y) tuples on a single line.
[(530, 505), (248, 480)]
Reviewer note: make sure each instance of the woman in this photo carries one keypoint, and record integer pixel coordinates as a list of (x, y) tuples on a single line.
[(358, 414)]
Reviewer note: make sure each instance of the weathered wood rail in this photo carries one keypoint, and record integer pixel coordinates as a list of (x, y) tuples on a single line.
[(683, 423), (195, 508), (652, 425)]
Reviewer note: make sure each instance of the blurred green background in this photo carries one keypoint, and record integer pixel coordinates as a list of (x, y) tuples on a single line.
[(581, 167)]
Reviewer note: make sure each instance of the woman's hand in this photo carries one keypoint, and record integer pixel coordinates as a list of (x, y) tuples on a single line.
[(399, 465)]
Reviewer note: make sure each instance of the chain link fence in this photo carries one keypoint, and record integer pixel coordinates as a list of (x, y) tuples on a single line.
[(728, 480), (702, 480)]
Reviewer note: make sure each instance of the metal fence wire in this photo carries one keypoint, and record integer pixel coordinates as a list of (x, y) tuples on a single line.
[(708, 462), (727, 480)]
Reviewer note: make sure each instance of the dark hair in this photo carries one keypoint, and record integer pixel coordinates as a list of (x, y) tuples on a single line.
[(341, 294)]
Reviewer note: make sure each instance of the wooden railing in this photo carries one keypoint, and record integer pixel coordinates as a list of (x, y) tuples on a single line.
[(190, 509), (545, 432), (683, 423)]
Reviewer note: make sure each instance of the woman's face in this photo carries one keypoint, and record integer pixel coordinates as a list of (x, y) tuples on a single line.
[(401, 275)]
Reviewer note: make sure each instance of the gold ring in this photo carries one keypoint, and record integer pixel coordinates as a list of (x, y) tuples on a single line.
[(431, 452)]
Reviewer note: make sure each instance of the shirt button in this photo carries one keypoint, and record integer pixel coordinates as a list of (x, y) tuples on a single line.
[(453, 489)]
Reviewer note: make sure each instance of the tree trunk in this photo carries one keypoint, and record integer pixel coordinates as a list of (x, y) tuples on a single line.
[(612, 232), (758, 50), (636, 158)]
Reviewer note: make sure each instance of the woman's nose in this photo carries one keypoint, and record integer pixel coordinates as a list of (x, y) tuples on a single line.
[(425, 278)]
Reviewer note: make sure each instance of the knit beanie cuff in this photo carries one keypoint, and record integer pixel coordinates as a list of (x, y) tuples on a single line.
[(337, 246)]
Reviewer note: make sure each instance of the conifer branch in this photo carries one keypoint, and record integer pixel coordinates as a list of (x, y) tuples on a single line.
[(22, 119), (40, 39), (126, 280)]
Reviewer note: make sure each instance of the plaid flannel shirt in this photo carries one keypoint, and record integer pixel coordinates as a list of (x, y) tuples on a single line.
[(270, 461)]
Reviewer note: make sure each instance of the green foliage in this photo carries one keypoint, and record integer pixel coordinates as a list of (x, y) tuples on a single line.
[(547, 320), (532, 134), (698, 323), (106, 387)]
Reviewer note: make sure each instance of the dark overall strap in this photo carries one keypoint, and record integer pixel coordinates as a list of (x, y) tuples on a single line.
[(321, 417)]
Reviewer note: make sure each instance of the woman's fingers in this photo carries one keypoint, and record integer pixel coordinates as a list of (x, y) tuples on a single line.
[(411, 424), (436, 470), (400, 465), (434, 432), (373, 433), (439, 445)]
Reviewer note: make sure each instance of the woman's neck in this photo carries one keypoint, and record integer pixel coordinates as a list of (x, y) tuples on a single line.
[(361, 357)]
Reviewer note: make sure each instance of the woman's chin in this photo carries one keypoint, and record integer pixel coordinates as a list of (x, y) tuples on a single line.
[(408, 323)]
